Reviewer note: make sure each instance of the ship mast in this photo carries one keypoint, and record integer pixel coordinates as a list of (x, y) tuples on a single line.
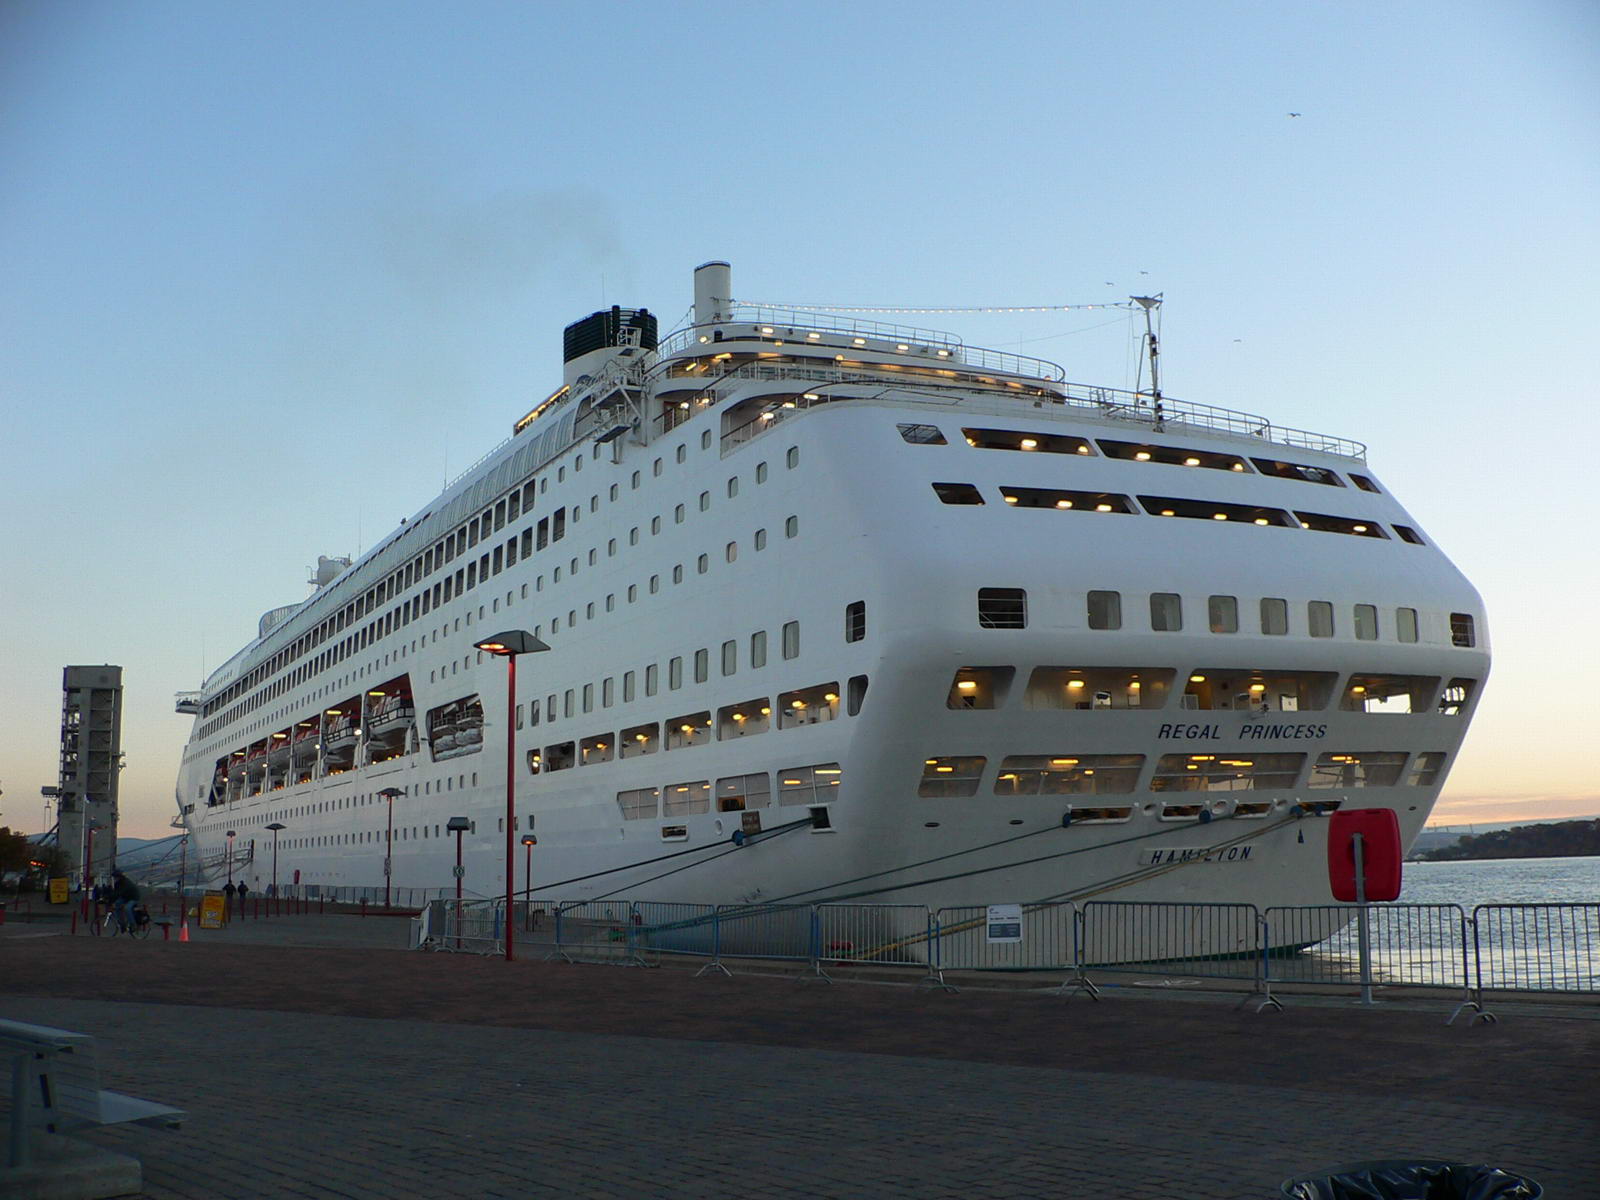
[(1153, 349)]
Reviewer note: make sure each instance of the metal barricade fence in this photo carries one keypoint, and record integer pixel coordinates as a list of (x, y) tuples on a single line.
[(674, 928), (1044, 942), (770, 931), (469, 926), (597, 931), (1537, 947), (1412, 945), (1211, 941), (882, 934)]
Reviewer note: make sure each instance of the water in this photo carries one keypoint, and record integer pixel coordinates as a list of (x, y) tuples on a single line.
[(1526, 949), (1503, 881)]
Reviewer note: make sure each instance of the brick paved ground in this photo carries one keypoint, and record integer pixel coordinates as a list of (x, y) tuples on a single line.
[(370, 1073)]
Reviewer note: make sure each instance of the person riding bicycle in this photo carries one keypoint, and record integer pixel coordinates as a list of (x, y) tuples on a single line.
[(124, 899)]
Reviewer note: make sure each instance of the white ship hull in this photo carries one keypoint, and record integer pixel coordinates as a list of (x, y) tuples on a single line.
[(936, 758)]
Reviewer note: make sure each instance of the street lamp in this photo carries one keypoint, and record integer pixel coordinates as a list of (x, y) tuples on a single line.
[(458, 826), (275, 827), (389, 793), (232, 833), (508, 645), (528, 843)]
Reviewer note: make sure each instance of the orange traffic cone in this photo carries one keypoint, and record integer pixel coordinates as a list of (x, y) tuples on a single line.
[(183, 930)]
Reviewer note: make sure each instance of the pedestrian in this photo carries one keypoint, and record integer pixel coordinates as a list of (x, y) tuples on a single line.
[(228, 894), (243, 890), (124, 900)]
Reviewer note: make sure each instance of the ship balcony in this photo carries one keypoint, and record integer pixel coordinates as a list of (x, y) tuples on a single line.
[(187, 703)]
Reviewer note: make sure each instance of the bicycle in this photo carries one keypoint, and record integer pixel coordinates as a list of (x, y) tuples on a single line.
[(140, 928)]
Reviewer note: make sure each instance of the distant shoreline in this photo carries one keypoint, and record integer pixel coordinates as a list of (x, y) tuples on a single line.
[(1559, 839)]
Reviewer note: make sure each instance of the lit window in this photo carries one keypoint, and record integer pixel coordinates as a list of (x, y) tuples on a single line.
[(951, 776), (1426, 768), (979, 687), (1368, 768), (1067, 774)]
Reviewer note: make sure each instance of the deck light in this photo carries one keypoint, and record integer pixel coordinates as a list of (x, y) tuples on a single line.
[(797, 704), (1258, 687), (1074, 684), (1359, 528), (1238, 466), (1030, 443), (1219, 516), (831, 697), (1063, 503), (814, 336), (859, 341), (1102, 508), (1063, 762), (968, 685), (1167, 512), (1083, 447), (766, 329), (1262, 521), (810, 396), (1197, 679), (768, 416), (1011, 499), (944, 354), (1191, 462), (1142, 456), (901, 346), (1358, 689)]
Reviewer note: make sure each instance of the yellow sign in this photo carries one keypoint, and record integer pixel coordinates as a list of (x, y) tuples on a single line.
[(213, 911), (58, 891)]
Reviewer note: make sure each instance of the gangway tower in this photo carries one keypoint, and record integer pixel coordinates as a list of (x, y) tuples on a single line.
[(91, 760)]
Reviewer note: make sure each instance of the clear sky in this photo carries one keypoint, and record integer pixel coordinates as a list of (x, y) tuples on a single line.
[(269, 274)]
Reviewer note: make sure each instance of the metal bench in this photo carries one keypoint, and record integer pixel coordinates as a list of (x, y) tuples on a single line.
[(55, 1087)]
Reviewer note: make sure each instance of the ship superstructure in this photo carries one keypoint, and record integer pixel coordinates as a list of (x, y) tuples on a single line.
[(963, 631)]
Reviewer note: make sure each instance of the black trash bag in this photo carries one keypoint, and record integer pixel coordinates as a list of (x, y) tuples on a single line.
[(1411, 1180)]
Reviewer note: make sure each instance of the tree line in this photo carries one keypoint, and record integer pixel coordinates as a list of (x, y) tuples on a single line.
[(1560, 839)]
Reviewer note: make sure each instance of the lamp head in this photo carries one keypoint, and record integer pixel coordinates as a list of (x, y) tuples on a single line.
[(512, 641), (458, 825)]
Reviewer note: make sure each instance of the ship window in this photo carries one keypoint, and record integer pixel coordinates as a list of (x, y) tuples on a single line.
[(733, 487), (1462, 632), (951, 776), (500, 516), (705, 501), (957, 493), (651, 676), (674, 833), (1222, 612), (627, 687), (683, 799), (791, 640), (1166, 612), (1246, 690), (1015, 439), (534, 760), (1274, 615), (818, 784), (1066, 501), (743, 719), (639, 740), (597, 749), (702, 666), (1175, 456), (683, 453), (655, 525), (691, 729), (1358, 526), (761, 472), (979, 687), (1301, 471), (793, 457), (655, 584), (558, 527), (1002, 608), (1393, 694), (730, 657), (761, 539), (705, 439), (922, 435), (1067, 774), (1097, 687), (808, 706), (856, 694), (567, 703), (607, 692), (1105, 610), (791, 526), (639, 804), (1240, 772), (702, 564), (1364, 483), (655, 467), (677, 573), (1425, 769), (735, 793), (855, 621), (1453, 700), (633, 536), (1367, 768), (559, 757), (1319, 618), (1213, 510), (1366, 623), (1405, 624), (758, 649), (674, 673), (677, 515), (1409, 534)]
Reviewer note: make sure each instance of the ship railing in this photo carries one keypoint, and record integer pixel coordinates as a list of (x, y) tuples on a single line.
[(793, 320), (1113, 404), (1536, 948)]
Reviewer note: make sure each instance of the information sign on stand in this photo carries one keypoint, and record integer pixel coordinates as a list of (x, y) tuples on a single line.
[(213, 911), (1004, 923), (58, 891)]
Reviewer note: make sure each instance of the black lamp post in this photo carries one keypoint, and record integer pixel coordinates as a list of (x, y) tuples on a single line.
[(275, 827), (508, 645), (389, 793)]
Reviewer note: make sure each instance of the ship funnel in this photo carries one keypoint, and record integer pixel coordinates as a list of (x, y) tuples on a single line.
[(713, 293)]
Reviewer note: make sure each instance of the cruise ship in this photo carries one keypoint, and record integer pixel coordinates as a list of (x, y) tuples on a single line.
[(844, 610)]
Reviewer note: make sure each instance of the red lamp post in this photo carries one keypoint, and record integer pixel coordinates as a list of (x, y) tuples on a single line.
[(508, 645)]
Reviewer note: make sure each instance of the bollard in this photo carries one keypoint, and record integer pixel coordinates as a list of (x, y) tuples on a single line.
[(74, 921), (322, 905), (166, 932), (363, 906)]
